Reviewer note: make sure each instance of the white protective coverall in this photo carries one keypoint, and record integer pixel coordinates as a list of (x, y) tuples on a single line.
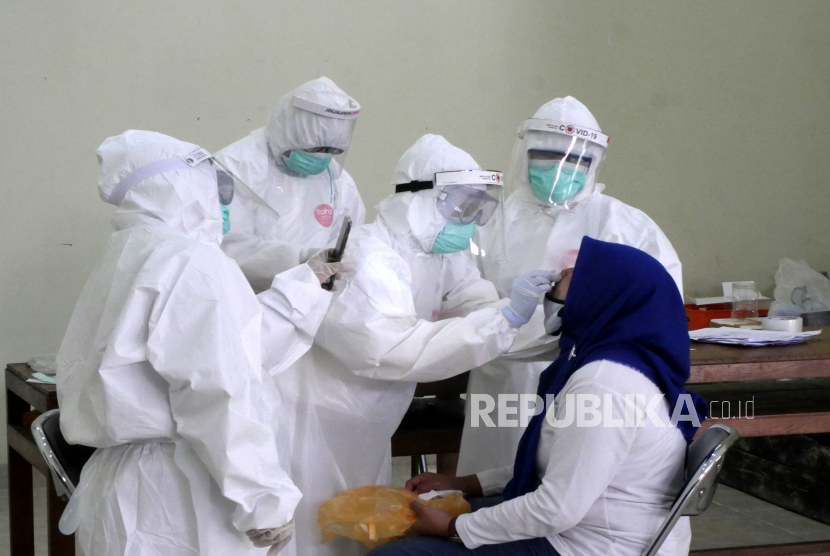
[(310, 208), (406, 315), (538, 234), (161, 369)]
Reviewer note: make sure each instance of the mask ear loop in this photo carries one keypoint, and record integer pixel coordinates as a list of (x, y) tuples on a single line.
[(331, 188)]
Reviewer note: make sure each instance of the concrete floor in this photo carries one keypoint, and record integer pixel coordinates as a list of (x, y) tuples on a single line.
[(734, 518)]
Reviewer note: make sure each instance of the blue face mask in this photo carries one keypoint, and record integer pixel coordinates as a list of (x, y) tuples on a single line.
[(306, 164), (549, 189), (226, 220), (453, 238)]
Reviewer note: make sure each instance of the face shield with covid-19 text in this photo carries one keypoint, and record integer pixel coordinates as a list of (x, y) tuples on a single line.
[(555, 163)]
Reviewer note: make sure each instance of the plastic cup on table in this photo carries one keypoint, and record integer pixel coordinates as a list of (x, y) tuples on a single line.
[(744, 300)]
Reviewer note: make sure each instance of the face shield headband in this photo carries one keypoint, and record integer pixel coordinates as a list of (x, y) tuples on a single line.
[(465, 196), (563, 128), (350, 113), (226, 180)]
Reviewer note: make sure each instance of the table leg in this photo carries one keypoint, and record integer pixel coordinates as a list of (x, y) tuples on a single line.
[(59, 544), (21, 505)]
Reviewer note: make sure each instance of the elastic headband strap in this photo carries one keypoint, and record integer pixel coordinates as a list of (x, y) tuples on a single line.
[(456, 177), (147, 171), (413, 186), (468, 177)]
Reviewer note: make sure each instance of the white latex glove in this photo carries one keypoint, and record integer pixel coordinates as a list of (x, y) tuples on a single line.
[(308, 253), (276, 538), (527, 289), (316, 254), (323, 271)]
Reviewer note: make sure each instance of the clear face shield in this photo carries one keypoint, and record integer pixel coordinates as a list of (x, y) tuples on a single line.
[(466, 198), (332, 129), (471, 202), (555, 163), (232, 189)]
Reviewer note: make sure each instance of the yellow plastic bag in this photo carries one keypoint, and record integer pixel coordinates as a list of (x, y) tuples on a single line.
[(374, 515)]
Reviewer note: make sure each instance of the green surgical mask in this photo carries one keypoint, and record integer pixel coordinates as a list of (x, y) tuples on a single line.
[(453, 238), (549, 189), (306, 164), (226, 220)]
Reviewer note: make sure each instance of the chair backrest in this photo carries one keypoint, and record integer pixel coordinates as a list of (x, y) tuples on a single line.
[(64, 460), (821, 318), (704, 459)]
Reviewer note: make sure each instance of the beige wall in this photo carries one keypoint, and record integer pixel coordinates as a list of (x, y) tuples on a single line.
[(719, 112)]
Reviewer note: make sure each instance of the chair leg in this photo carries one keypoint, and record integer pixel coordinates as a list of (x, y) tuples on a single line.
[(418, 465)]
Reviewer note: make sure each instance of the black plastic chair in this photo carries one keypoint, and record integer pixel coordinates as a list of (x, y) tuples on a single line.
[(704, 460), (65, 460)]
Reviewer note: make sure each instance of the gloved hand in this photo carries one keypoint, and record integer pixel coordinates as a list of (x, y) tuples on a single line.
[(323, 270), (276, 538), (527, 289)]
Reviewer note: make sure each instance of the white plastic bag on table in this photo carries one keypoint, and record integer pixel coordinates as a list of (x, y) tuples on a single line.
[(799, 289)]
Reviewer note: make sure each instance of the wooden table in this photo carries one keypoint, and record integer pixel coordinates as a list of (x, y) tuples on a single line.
[(21, 396), (433, 424), (791, 384)]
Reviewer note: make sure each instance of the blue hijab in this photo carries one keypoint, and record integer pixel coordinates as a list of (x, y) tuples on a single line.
[(621, 306)]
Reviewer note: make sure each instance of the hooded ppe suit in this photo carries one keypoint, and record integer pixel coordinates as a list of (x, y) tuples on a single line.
[(541, 233), (406, 315), (161, 369), (310, 207)]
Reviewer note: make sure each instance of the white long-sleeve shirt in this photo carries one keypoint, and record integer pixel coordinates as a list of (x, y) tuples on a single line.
[(603, 489)]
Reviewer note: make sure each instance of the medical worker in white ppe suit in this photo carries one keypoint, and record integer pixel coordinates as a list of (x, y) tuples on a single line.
[(162, 370), (554, 200), (414, 310), (295, 165)]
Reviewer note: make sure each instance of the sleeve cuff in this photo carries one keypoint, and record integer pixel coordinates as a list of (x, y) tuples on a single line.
[(515, 320), (553, 318), (463, 534), (493, 481)]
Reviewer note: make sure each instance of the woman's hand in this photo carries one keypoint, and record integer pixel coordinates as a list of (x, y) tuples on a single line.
[(427, 482), (431, 521)]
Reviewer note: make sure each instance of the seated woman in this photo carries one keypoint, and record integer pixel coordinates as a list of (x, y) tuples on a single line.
[(597, 473)]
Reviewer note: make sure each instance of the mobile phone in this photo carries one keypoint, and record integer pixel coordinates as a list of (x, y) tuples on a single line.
[(336, 254)]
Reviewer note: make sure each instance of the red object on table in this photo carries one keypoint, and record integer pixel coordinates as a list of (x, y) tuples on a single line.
[(699, 316)]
